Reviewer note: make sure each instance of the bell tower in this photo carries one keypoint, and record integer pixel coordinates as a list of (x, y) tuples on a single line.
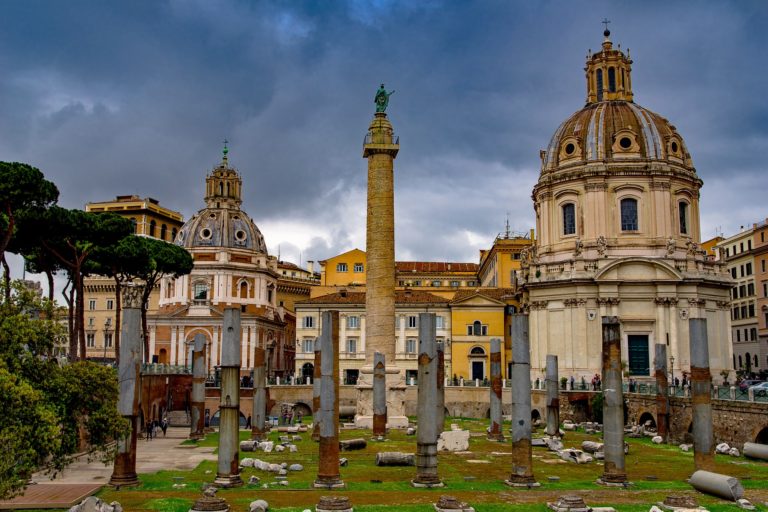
[(609, 73)]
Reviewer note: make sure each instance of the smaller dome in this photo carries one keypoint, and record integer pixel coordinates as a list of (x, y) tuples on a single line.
[(221, 227), (614, 130)]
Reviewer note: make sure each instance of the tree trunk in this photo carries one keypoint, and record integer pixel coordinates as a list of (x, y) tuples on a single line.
[(6, 280), (69, 297), (118, 314), (80, 311), (49, 275)]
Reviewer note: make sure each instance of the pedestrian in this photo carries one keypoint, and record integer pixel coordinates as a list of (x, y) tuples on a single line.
[(298, 417), (164, 425), (149, 430), (248, 423), (573, 382)]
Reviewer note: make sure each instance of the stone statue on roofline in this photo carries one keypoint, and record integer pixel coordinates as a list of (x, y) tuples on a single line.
[(382, 99)]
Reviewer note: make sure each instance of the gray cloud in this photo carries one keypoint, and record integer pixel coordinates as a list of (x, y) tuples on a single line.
[(117, 98)]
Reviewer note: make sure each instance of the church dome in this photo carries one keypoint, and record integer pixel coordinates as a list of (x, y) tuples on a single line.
[(222, 223), (614, 130), (611, 127), (221, 227)]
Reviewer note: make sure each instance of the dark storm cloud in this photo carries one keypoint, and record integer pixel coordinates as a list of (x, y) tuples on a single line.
[(134, 97)]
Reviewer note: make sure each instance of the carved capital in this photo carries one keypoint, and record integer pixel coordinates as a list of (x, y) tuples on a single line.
[(539, 304), (697, 303), (132, 296), (665, 301), (723, 304), (575, 303), (608, 301)]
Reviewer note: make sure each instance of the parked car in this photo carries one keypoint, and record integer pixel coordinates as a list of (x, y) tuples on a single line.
[(760, 389), (747, 383)]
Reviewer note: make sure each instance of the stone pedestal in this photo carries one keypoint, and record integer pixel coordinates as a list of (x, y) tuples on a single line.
[(334, 504), (395, 392)]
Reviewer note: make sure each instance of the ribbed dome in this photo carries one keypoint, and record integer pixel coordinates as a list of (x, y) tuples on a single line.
[(614, 130), (221, 227)]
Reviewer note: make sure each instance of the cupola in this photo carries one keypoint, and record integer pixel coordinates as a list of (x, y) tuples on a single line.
[(223, 187), (609, 73)]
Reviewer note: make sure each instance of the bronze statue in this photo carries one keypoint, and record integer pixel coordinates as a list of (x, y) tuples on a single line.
[(382, 99)]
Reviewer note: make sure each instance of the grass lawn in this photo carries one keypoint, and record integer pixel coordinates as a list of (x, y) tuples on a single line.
[(475, 477)]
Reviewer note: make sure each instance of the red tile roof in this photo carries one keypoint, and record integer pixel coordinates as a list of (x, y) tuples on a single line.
[(435, 266)]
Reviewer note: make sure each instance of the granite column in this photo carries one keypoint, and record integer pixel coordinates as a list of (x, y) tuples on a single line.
[(228, 468)]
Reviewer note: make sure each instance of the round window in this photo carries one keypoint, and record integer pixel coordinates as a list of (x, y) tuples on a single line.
[(205, 234), (212, 216), (625, 142), (673, 146), (240, 234), (569, 148), (236, 217)]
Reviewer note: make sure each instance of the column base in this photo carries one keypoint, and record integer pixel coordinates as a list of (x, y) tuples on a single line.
[(522, 482), (129, 480), (228, 481), (427, 484), (197, 436), (496, 437), (329, 484), (613, 481)]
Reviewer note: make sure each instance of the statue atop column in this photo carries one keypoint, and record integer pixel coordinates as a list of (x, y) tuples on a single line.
[(382, 99)]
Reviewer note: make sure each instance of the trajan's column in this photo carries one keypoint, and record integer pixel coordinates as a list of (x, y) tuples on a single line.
[(380, 148)]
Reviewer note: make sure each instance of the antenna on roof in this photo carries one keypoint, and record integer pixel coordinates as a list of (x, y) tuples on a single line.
[(506, 231)]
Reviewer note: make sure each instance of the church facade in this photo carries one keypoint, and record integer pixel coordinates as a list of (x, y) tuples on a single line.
[(231, 268), (617, 218)]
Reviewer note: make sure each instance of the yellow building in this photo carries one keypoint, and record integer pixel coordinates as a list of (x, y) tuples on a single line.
[(149, 219), (477, 316), (345, 269), (499, 265), (294, 284)]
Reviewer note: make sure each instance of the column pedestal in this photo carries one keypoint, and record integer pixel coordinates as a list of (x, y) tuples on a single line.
[(396, 417)]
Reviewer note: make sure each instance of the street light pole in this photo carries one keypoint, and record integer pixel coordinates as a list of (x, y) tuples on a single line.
[(672, 370)]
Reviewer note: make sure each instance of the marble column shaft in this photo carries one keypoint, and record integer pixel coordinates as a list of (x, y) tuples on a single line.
[(662, 391), (316, 383), (495, 432), (328, 475), (426, 435), (259, 412), (440, 407), (701, 399), (553, 397), (614, 471), (197, 406), (228, 468), (379, 394), (129, 385), (522, 457)]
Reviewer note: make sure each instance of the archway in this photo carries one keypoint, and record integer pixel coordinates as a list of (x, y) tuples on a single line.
[(535, 415), (216, 418), (645, 418), (163, 356), (762, 436), (307, 370)]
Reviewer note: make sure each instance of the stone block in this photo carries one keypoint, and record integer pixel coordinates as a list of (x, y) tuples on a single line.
[(453, 441)]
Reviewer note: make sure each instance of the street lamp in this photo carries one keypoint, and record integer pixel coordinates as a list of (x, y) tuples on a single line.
[(672, 368), (107, 325)]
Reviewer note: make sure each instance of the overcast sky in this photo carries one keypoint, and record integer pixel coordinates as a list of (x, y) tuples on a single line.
[(109, 98)]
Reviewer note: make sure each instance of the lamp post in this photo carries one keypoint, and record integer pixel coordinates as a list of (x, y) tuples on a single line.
[(672, 371), (107, 324)]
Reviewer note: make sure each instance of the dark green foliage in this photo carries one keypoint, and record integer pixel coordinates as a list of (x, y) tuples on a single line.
[(597, 407)]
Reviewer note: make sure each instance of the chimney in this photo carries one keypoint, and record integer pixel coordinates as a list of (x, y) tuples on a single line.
[(311, 266)]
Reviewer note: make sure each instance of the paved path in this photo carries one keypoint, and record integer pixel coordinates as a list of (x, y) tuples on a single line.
[(83, 478)]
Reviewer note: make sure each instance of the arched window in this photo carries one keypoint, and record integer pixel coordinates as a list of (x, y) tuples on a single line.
[(682, 213), (477, 351), (612, 79), (748, 359), (757, 363), (477, 328), (152, 226), (599, 85), (243, 290), (569, 219), (629, 214), (741, 365), (173, 234), (221, 189), (163, 231)]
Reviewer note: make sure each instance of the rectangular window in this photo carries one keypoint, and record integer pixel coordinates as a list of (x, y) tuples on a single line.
[(762, 265), (351, 345), (308, 344), (416, 283), (637, 346), (733, 272), (110, 304), (455, 284), (439, 322), (515, 255), (92, 304), (744, 311), (308, 322), (413, 322), (91, 321), (470, 330), (341, 267), (741, 246), (751, 310), (734, 293), (742, 290), (683, 213), (735, 314), (749, 269), (629, 214), (90, 340), (749, 245), (108, 340), (751, 289), (569, 219), (410, 345), (738, 335), (358, 267), (765, 289), (353, 322), (726, 252), (437, 283), (485, 330)]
